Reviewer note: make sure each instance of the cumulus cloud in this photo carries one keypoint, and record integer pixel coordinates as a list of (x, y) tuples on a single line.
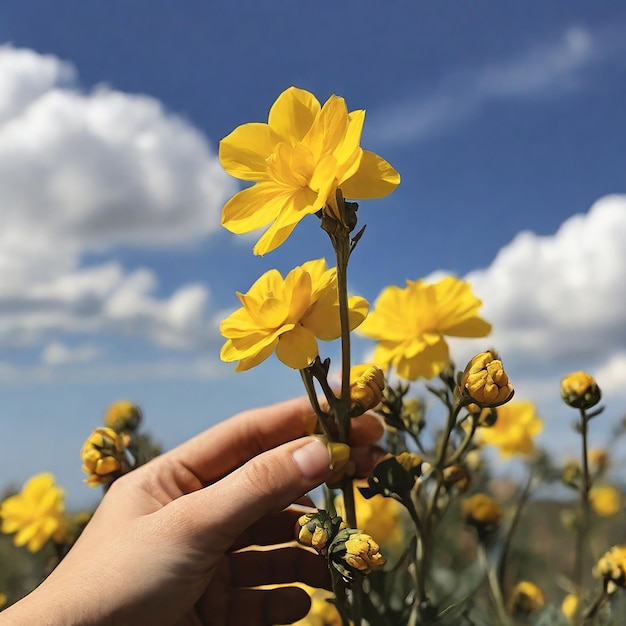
[(84, 172), (558, 304), (562, 295), (543, 70)]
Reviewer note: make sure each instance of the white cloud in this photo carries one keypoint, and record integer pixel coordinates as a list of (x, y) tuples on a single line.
[(83, 172), (57, 353), (558, 304), (544, 70), (563, 295)]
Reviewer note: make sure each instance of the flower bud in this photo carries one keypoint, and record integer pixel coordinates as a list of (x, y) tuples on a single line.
[(571, 474), (612, 566), (606, 500), (123, 416), (411, 462), (485, 382), (486, 417), (317, 529), (354, 552), (366, 391), (456, 476), (412, 414), (580, 390), (526, 598), (598, 460), (569, 606), (483, 513), (104, 456)]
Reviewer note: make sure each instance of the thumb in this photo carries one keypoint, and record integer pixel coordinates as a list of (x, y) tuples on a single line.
[(268, 482)]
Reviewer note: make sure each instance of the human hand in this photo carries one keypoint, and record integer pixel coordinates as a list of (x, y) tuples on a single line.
[(162, 546)]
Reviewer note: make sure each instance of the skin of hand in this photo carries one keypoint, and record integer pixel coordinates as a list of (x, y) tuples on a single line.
[(165, 545)]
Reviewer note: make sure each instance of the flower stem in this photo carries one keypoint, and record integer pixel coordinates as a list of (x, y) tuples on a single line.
[(583, 527), (511, 532), (340, 238), (425, 540)]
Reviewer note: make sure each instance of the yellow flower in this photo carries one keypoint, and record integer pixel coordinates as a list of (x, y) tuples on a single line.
[(605, 500), (366, 388), (612, 566), (297, 161), (36, 514), (322, 612), (526, 598), (378, 516), (516, 425), (569, 606), (104, 456), (485, 382), (409, 325), (580, 390), (123, 415), (3, 599), (287, 315)]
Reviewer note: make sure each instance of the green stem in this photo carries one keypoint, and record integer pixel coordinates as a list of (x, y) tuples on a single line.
[(583, 528), (426, 541), (592, 611), (511, 532), (340, 238), (494, 587)]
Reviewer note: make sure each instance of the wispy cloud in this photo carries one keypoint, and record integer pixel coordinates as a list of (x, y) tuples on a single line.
[(542, 71)]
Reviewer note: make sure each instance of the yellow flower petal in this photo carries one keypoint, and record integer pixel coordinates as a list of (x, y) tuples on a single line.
[(255, 207), (375, 178), (244, 153), (297, 348), (294, 208), (425, 364), (293, 113)]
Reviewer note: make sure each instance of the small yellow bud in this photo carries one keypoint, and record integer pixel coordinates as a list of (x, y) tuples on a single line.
[(571, 474), (612, 566), (123, 416), (456, 476), (605, 500), (580, 390), (411, 462), (363, 553), (366, 391), (483, 513), (526, 598), (317, 529), (485, 382), (569, 606), (104, 456), (598, 460)]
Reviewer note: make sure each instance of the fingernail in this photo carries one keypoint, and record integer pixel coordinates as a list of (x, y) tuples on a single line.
[(339, 454), (313, 459)]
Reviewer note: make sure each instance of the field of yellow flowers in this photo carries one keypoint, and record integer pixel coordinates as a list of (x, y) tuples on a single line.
[(434, 535)]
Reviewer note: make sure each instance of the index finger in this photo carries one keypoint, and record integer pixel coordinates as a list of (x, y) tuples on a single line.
[(214, 453), (229, 444)]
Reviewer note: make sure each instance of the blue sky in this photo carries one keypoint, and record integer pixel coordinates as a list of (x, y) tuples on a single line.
[(505, 120)]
